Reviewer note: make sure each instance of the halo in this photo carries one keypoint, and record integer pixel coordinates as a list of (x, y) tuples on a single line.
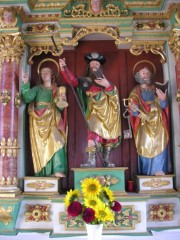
[(146, 62), (48, 60)]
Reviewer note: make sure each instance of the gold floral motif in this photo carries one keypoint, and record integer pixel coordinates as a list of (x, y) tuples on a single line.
[(107, 180), (156, 47), (111, 11), (9, 148), (161, 212), (11, 47), (150, 25), (41, 28), (37, 213), (5, 97), (40, 185), (156, 183), (5, 216)]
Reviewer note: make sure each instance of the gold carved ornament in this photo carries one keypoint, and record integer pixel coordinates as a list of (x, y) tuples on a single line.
[(37, 50), (174, 43), (5, 97), (80, 11), (9, 148), (5, 216), (156, 183), (78, 33), (156, 47), (161, 212), (40, 185), (37, 213), (11, 47)]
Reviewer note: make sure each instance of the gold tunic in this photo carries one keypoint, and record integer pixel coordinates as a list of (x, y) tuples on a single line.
[(151, 136), (46, 138), (104, 115)]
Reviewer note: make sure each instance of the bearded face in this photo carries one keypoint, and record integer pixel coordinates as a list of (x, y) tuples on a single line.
[(143, 76)]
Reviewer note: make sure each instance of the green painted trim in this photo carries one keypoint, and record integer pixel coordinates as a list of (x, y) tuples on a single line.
[(159, 229), (55, 235)]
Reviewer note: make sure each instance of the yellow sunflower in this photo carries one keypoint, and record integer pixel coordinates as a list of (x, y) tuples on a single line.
[(92, 202), (108, 194), (70, 196), (91, 187), (103, 213)]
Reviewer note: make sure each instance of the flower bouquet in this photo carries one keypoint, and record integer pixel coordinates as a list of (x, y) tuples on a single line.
[(93, 204)]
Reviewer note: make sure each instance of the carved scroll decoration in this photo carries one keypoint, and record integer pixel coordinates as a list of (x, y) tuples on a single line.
[(156, 47)]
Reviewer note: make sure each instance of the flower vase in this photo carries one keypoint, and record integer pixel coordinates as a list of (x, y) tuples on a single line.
[(94, 231)]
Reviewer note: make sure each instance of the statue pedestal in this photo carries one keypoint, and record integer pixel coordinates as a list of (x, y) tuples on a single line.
[(41, 185), (155, 184), (113, 177)]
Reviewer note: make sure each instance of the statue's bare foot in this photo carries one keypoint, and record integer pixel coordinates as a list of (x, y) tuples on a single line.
[(160, 173)]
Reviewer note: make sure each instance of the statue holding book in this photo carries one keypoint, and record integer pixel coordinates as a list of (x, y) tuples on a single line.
[(149, 115), (100, 102)]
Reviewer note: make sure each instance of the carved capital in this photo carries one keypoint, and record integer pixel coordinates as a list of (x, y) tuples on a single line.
[(155, 47), (11, 47)]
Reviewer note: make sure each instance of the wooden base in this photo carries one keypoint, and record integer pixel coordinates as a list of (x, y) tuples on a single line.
[(155, 184), (41, 185)]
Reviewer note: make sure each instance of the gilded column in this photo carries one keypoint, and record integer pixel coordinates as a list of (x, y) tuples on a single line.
[(11, 49)]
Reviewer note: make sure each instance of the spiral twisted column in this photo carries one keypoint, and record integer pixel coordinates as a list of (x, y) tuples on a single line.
[(11, 50)]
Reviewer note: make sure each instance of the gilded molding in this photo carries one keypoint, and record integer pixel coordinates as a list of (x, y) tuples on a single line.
[(9, 148), (11, 47), (41, 28), (154, 3), (157, 15), (8, 181), (44, 4), (174, 43), (5, 216), (150, 25), (156, 47), (111, 10), (40, 185), (156, 183)]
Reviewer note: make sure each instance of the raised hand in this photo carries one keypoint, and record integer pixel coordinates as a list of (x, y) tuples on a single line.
[(161, 95), (102, 82), (62, 63)]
